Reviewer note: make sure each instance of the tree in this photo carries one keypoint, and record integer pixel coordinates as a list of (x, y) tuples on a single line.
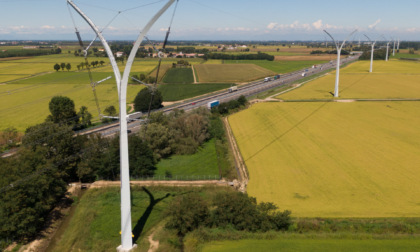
[(57, 144), (62, 111), (141, 158), (57, 67), (109, 111), (161, 139), (187, 214), (78, 67), (143, 98), (9, 137), (63, 65), (85, 117), (102, 62), (68, 66)]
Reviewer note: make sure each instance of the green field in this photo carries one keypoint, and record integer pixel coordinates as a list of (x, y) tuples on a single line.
[(176, 92), (333, 159), (230, 72), (203, 164), (95, 225), (315, 245), (392, 79), (278, 66), (179, 75)]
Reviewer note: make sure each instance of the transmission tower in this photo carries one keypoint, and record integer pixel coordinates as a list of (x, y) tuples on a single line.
[(122, 82), (337, 74), (371, 52)]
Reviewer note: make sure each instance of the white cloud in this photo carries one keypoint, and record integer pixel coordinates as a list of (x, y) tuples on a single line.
[(318, 24), (47, 27), (271, 26), (374, 24)]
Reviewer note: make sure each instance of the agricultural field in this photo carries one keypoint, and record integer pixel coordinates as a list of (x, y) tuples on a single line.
[(24, 105), (324, 159), (316, 245), (179, 75), (392, 79), (230, 72), (278, 66), (176, 92)]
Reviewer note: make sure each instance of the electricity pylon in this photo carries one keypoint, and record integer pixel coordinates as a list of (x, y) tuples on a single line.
[(337, 72), (122, 82)]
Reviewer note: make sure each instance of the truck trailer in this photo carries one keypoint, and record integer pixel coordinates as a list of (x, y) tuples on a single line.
[(213, 104), (233, 89)]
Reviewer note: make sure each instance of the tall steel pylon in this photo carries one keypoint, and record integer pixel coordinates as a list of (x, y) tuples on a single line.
[(122, 82), (337, 72), (371, 53)]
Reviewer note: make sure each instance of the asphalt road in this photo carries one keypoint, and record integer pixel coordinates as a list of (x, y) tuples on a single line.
[(247, 90)]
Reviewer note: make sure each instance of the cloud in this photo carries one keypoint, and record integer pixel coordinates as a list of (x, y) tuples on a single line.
[(317, 25), (47, 27), (271, 26), (374, 24)]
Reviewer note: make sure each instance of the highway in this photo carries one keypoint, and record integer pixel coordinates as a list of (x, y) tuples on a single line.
[(247, 90)]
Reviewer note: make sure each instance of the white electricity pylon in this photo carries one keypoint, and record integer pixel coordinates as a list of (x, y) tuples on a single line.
[(337, 72), (371, 53), (387, 48), (393, 49), (126, 235)]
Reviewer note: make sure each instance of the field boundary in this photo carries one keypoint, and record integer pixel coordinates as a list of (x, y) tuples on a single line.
[(239, 162)]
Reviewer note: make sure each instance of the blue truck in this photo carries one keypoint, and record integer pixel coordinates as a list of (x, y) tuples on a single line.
[(213, 104)]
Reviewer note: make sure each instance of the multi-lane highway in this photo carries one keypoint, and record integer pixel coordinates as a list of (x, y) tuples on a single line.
[(225, 96)]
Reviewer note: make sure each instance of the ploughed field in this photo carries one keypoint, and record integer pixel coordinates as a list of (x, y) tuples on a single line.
[(334, 159)]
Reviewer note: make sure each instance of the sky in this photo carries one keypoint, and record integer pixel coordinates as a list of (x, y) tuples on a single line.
[(213, 20)]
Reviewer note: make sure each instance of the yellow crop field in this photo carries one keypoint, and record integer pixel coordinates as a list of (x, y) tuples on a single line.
[(230, 72), (325, 159), (392, 79), (23, 105)]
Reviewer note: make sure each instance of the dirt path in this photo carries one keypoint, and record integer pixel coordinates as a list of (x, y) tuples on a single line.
[(154, 245), (195, 79), (239, 162), (99, 184)]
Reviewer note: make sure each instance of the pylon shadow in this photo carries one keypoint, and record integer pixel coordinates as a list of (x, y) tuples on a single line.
[(138, 229)]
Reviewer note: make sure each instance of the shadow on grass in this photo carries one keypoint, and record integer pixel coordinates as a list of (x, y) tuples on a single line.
[(138, 229)]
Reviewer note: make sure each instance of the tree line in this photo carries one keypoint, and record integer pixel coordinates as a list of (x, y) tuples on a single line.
[(28, 52), (257, 56), (378, 54), (343, 52), (225, 210)]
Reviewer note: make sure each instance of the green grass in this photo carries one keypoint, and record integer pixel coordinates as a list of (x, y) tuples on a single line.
[(278, 66), (176, 92), (314, 245), (202, 163), (95, 225), (333, 159), (404, 55), (222, 73), (179, 75)]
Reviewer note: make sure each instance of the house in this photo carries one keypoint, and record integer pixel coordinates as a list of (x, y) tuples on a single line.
[(119, 54)]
